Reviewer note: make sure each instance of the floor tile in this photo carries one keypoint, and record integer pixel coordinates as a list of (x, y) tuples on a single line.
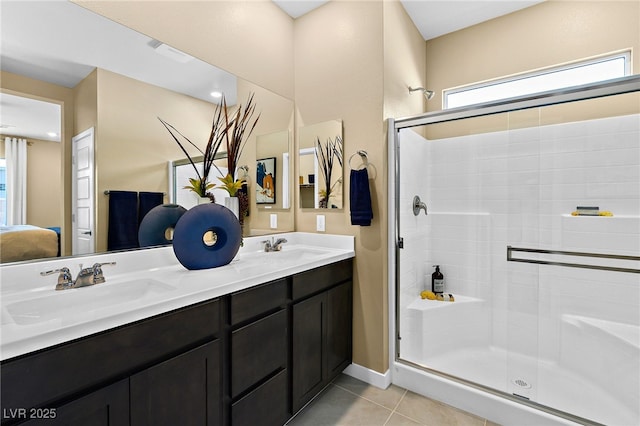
[(336, 406), (386, 397), (400, 420), (351, 402), (432, 413)]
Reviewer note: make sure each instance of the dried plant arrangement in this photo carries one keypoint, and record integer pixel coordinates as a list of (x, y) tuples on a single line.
[(219, 128)]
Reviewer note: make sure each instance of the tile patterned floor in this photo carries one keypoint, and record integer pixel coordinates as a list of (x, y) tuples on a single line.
[(349, 402)]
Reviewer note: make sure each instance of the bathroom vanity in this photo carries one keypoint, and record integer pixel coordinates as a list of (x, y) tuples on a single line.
[(252, 355)]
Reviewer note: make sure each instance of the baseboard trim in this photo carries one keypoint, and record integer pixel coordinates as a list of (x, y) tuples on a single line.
[(367, 375)]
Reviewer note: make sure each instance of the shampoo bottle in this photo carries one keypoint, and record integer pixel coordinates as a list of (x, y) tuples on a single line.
[(437, 281)]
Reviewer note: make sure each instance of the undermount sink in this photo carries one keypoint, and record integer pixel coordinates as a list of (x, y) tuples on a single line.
[(294, 253), (291, 254), (69, 305)]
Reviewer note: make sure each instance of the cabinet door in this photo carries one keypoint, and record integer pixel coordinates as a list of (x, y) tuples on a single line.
[(308, 357), (184, 390), (339, 320), (108, 406)]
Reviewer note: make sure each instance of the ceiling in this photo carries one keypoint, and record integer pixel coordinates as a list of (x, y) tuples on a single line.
[(433, 18), (55, 26)]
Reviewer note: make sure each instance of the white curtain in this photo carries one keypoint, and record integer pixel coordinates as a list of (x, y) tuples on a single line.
[(16, 156)]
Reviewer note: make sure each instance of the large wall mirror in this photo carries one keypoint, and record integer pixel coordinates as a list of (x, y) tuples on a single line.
[(122, 104), (320, 160)]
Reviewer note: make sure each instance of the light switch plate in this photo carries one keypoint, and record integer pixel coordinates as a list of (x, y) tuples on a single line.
[(273, 219), (320, 223)]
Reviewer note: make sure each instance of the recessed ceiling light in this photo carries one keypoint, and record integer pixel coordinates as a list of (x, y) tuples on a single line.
[(52, 134), (216, 94)]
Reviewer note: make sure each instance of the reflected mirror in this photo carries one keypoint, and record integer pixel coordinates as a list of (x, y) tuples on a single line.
[(121, 102), (320, 157), (272, 170)]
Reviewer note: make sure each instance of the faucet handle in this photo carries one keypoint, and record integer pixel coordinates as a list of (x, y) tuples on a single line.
[(98, 277), (65, 280)]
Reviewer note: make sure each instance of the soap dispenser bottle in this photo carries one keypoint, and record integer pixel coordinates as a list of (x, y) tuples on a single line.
[(437, 281)]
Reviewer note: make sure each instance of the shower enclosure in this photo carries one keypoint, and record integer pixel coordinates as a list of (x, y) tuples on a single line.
[(545, 323)]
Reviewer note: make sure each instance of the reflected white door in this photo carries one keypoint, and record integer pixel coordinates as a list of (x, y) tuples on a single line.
[(83, 223)]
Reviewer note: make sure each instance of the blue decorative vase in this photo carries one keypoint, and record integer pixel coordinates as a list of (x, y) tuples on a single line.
[(207, 236), (157, 226)]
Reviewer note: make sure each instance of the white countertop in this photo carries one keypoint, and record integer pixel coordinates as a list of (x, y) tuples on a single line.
[(143, 283)]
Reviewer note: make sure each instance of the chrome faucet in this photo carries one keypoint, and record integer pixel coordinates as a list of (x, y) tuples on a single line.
[(86, 276), (274, 246)]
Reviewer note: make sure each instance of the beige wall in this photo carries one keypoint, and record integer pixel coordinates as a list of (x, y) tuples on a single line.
[(405, 60), (550, 33), (339, 74), (86, 102), (48, 209), (44, 167)]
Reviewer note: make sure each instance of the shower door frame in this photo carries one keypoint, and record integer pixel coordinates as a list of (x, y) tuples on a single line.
[(612, 87)]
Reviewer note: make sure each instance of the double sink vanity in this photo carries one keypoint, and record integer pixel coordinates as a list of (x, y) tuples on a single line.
[(247, 343)]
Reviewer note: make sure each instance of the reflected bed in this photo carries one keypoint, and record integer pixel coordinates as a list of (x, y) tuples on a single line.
[(26, 242)]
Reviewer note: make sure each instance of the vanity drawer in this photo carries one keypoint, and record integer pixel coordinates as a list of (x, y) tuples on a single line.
[(265, 406), (318, 279), (44, 377), (258, 300), (257, 350)]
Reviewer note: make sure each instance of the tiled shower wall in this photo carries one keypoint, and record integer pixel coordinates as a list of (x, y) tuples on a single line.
[(518, 188)]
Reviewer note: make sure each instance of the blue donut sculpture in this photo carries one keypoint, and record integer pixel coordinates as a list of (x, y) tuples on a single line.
[(207, 236), (152, 231)]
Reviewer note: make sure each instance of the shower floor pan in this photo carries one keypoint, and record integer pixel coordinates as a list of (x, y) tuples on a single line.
[(594, 373), (546, 383)]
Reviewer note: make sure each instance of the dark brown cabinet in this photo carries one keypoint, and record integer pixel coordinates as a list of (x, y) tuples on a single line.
[(184, 390), (322, 330), (108, 406), (158, 357), (247, 358)]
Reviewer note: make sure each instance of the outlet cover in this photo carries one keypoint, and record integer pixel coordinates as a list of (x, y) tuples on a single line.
[(320, 223), (273, 219)]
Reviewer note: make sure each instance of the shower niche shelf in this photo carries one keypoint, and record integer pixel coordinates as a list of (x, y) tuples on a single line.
[(424, 304)]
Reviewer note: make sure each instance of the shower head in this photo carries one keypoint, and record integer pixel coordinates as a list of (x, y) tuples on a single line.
[(427, 93)]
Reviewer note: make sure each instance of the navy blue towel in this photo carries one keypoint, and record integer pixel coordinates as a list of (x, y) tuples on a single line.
[(148, 200), (360, 198), (123, 220)]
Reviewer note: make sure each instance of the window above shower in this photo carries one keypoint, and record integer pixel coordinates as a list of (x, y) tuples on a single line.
[(592, 70)]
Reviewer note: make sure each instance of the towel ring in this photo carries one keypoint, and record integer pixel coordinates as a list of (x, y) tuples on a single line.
[(363, 155)]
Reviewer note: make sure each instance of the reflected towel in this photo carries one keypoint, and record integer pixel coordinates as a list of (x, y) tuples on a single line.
[(123, 220), (360, 198), (148, 200)]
